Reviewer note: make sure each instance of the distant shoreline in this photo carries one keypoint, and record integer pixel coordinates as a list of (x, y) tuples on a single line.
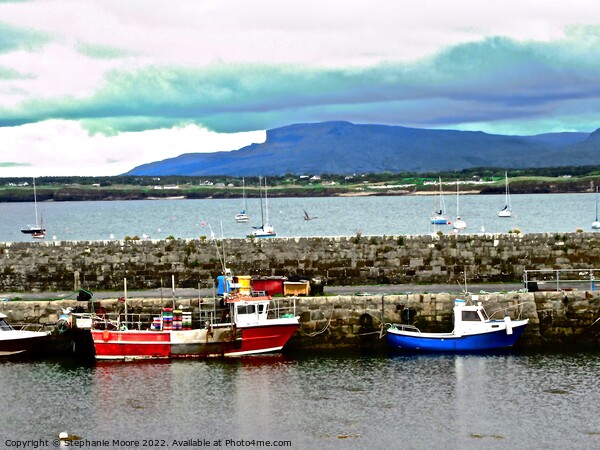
[(65, 193), (220, 196)]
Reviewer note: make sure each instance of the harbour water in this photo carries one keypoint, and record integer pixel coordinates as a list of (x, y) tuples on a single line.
[(337, 216), (504, 401)]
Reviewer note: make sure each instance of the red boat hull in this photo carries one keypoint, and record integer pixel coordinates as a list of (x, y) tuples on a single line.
[(264, 338), (131, 344), (148, 344)]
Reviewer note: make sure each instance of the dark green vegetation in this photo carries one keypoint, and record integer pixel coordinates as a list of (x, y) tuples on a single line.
[(480, 180)]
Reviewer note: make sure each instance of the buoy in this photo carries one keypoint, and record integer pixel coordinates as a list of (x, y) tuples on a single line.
[(105, 335)]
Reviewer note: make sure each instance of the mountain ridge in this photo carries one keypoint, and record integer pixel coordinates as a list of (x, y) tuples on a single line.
[(346, 148)]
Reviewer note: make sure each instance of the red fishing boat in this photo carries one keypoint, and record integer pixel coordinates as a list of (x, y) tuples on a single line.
[(259, 331), (233, 325)]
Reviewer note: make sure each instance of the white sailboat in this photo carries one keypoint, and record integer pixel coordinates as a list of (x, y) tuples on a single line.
[(507, 210), (438, 217), (459, 224), (242, 216), (596, 223), (265, 230), (36, 231)]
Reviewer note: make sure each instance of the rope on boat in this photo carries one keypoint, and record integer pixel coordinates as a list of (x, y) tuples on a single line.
[(594, 323), (383, 329), (36, 321), (518, 305)]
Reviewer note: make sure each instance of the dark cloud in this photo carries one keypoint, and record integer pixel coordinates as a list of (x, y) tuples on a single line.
[(496, 79)]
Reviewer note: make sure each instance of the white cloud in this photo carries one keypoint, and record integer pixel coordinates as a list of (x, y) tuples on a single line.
[(58, 147), (311, 32)]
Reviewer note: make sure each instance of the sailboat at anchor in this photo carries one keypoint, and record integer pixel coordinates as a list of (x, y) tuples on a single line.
[(459, 224), (265, 230), (36, 231), (242, 216), (507, 210), (596, 223), (438, 217)]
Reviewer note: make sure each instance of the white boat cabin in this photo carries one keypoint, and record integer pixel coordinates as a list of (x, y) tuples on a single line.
[(250, 311), (472, 319)]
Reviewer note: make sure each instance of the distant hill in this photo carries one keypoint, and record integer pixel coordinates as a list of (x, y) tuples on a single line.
[(346, 148)]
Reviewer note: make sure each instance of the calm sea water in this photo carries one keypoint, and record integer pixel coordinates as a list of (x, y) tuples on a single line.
[(316, 401), (337, 216)]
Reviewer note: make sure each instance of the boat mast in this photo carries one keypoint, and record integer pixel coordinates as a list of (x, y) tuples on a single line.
[(266, 202), (507, 200), (442, 206), (37, 220), (125, 296), (596, 224), (457, 200), (244, 194), (262, 216)]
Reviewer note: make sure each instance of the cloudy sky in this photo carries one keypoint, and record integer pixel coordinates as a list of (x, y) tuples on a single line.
[(99, 87)]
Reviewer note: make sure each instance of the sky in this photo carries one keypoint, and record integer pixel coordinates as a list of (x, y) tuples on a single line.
[(98, 87)]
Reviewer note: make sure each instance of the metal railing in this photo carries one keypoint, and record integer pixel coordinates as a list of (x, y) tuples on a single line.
[(560, 279), (209, 314)]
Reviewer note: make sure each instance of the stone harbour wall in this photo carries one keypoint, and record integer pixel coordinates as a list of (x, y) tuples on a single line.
[(102, 265), (556, 319)]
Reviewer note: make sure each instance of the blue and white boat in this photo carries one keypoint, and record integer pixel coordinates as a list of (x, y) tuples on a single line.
[(473, 331), (438, 217)]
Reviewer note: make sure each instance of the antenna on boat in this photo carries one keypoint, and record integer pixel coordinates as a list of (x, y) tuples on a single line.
[(223, 243), (161, 293), (221, 259), (173, 288), (464, 290)]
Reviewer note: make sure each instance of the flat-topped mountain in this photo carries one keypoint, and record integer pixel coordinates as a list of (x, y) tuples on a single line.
[(346, 148)]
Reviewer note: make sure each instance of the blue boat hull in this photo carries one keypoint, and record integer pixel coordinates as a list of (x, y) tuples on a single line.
[(449, 343)]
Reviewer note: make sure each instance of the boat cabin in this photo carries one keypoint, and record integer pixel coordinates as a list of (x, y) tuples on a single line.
[(469, 319), (250, 310)]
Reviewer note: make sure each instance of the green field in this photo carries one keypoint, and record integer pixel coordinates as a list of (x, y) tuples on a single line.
[(482, 181)]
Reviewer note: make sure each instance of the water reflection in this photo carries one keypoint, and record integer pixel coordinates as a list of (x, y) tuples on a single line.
[(321, 401)]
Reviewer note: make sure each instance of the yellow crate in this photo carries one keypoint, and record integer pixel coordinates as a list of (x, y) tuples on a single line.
[(296, 288)]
